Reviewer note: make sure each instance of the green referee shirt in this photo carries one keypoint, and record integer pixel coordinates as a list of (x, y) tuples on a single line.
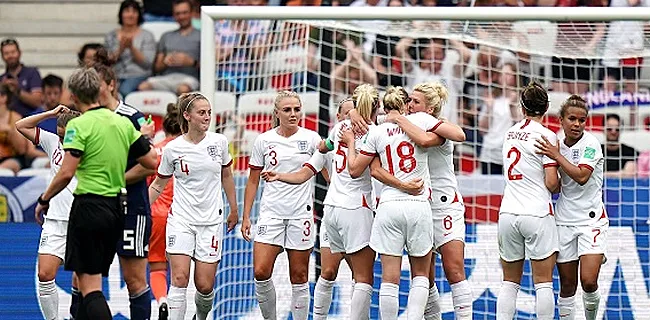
[(104, 139)]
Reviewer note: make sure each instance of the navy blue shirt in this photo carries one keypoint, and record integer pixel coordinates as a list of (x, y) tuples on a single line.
[(29, 79), (48, 124), (137, 193)]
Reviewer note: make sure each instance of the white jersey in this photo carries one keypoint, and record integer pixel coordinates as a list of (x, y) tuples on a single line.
[(273, 152), (400, 156), (59, 205), (196, 169), (344, 191), (582, 205), (444, 186), (526, 193)]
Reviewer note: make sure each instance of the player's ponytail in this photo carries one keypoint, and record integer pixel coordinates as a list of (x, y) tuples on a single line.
[(574, 101), (275, 121), (366, 100), (184, 106), (394, 99), (534, 99), (435, 96), (170, 121)]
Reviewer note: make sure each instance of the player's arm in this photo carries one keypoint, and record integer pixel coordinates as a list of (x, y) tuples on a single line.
[(249, 198), (298, 177), (356, 163), (157, 187), (579, 174), (27, 126), (228, 183), (551, 179), (419, 136), (137, 173), (413, 187), (146, 156)]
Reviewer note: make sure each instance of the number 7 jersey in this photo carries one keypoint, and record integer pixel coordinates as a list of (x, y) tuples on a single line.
[(526, 192)]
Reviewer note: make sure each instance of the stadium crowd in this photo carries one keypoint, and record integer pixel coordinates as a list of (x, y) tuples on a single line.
[(482, 80)]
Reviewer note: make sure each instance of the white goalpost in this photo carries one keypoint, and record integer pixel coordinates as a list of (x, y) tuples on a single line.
[(484, 56)]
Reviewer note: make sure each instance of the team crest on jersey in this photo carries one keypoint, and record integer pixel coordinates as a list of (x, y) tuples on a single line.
[(261, 230), (575, 155), (213, 151), (171, 241), (303, 146)]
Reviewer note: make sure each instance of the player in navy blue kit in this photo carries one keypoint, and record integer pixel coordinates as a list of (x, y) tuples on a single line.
[(133, 246)]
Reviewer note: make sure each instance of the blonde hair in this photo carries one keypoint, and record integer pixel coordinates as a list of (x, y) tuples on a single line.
[(435, 96), (366, 100), (186, 104), (395, 99), (275, 121)]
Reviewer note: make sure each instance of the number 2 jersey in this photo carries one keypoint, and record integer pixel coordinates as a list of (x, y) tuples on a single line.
[(196, 169), (526, 193), (400, 156), (273, 152)]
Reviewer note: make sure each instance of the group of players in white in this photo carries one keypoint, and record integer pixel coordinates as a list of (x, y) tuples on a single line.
[(392, 188)]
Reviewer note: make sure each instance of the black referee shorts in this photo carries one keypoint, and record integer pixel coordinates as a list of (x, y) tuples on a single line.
[(95, 226)]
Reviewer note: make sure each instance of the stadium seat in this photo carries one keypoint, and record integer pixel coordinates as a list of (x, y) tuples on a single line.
[(224, 101), (556, 98), (310, 107), (256, 109), (637, 139), (152, 103), (283, 67), (30, 172), (6, 172), (159, 28)]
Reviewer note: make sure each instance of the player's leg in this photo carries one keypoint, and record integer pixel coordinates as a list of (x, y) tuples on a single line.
[(207, 257), (567, 267), (542, 247), (51, 253), (591, 248), (329, 270), (419, 293), (158, 265), (362, 263), (300, 241), (432, 311), (512, 253), (391, 270), (132, 250), (181, 243), (269, 242), (75, 296)]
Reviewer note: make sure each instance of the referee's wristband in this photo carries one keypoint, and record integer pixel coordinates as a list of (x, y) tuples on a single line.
[(42, 201)]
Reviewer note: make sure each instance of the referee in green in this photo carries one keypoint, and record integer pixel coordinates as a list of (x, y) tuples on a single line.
[(96, 145)]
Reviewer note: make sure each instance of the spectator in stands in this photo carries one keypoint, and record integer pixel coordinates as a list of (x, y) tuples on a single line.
[(241, 46), (619, 157), (177, 58), (500, 111), (131, 48), (23, 82), (428, 60), (351, 73), (12, 144), (389, 68), (643, 164), (52, 91), (87, 53)]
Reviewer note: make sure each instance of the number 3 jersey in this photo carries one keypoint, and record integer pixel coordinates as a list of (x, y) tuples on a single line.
[(196, 169), (400, 156), (273, 152), (526, 192), (61, 204)]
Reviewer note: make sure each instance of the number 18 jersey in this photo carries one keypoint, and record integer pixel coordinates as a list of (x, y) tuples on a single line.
[(400, 156), (526, 192)]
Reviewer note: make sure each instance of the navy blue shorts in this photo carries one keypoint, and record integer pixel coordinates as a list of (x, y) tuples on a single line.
[(134, 241)]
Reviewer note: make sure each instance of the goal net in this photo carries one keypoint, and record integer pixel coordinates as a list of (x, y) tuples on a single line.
[(484, 57)]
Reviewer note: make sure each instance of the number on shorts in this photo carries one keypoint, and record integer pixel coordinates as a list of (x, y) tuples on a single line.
[(403, 157), (596, 233), (307, 225), (274, 160), (215, 243), (447, 223), (57, 157), (185, 168), (517, 154), (129, 240), (342, 153)]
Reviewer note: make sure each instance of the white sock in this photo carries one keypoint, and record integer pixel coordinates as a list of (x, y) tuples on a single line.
[(300, 301), (418, 296), (203, 304), (507, 300), (461, 295), (322, 298), (265, 292), (591, 300), (545, 301), (177, 303), (361, 297), (388, 301), (48, 296), (567, 307), (432, 311)]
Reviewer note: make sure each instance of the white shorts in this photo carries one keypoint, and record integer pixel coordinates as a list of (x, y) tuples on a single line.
[(448, 224), (170, 82), (53, 238), (576, 241), (348, 229), (201, 242), (290, 234), (526, 237), (400, 224), (324, 237)]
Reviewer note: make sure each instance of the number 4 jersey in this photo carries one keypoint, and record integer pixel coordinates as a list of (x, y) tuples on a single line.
[(526, 192)]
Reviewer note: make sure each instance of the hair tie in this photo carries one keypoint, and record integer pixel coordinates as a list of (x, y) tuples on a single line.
[(198, 95)]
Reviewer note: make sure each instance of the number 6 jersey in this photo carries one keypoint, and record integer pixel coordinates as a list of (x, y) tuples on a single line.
[(526, 192)]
